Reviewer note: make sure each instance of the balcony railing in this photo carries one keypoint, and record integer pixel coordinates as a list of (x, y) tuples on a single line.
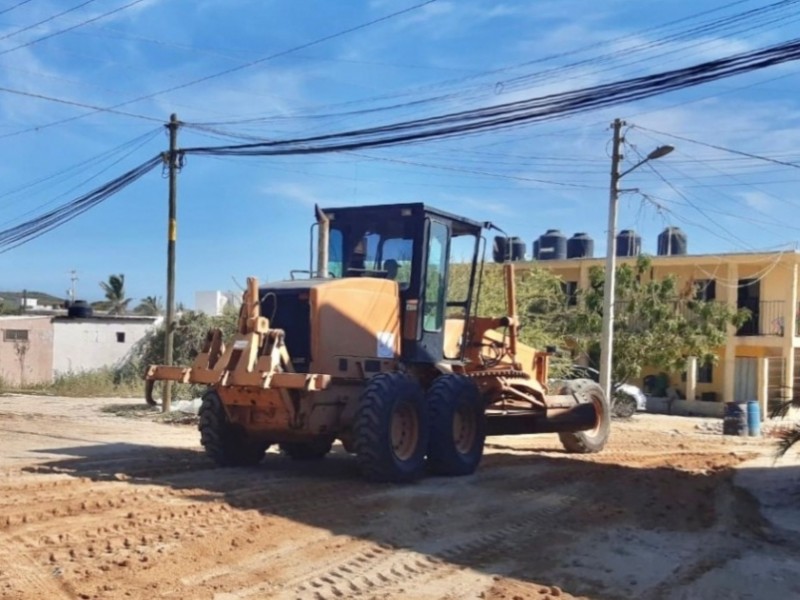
[(766, 318)]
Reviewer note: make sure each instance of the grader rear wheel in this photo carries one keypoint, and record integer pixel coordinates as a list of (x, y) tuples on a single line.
[(226, 444), (390, 431), (458, 426), (593, 440)]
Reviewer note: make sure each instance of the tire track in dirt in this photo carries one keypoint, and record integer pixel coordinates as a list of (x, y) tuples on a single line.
[(379, 567), (21, 575)]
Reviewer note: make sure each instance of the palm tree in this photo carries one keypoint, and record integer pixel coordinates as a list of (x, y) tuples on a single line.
[(115, 294), (150, 306)]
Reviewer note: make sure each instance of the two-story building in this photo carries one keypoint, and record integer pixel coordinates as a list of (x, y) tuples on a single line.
[(759, 359)]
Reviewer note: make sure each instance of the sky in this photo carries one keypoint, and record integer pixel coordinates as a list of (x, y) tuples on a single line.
[(244, 70)]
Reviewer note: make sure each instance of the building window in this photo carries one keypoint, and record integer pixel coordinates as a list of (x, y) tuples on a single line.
[(705, 289), (705, 372), (15, 335), (121, 337), (570, 289)]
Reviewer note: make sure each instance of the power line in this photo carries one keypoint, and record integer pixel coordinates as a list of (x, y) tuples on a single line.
[(514, 114), (722, 148), (10, 8), (42, 22), (220, 73)]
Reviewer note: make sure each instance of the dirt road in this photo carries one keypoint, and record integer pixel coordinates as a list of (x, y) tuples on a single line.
[(93, 505)]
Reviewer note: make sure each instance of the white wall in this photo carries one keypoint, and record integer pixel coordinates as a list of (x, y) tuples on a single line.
[(87, 344), (213, 303)]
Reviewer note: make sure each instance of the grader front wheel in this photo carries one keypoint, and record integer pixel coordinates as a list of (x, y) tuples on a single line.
[(390, 431), (593, 440), (226, 444)]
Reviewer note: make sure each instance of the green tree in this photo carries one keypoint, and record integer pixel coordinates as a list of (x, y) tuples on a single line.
[(540, 300), (114, 290), (656, 324), (190, 332), (150, 306)]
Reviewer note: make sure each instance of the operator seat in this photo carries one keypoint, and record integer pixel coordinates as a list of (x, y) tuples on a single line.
[(391, 267)]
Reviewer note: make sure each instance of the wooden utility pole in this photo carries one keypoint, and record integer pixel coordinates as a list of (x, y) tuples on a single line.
[(172, 230)]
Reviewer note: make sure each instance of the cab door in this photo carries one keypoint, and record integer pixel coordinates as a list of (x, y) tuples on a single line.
[(434, 288)]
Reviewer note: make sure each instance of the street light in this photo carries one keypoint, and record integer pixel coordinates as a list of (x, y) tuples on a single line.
[(607, 339)]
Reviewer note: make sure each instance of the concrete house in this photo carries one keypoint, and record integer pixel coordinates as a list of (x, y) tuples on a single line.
[(26, 350), (88, 343), (36, 349)]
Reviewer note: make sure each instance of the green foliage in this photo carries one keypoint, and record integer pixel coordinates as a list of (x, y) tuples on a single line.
[(540, 300), (190, 332), (655, 323), (103, 382)]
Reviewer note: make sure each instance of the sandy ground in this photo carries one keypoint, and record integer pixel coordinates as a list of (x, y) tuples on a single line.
[(94, 505)]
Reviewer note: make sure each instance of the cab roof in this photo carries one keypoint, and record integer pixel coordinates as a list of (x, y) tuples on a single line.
[(460, 225)]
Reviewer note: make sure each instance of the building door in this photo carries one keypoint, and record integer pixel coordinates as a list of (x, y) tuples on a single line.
[(749, 297), (745, 386)]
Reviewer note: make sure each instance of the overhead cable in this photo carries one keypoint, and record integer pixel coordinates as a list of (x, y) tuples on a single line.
[(517, 113)]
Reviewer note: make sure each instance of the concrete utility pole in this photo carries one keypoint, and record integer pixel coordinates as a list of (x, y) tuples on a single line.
[(73, 277), (609, 286), (172, 160), (607, 339)]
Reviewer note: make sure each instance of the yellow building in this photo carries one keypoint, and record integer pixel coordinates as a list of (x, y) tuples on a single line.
[(758, 360)]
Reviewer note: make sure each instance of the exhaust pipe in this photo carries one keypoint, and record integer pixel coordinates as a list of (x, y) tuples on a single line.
[(322, 243)]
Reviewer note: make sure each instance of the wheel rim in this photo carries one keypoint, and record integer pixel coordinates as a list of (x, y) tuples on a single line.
[(599, 409), (405, 431), (464, 429)]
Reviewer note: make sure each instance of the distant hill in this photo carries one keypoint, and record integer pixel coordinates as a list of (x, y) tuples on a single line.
[(10, 299)]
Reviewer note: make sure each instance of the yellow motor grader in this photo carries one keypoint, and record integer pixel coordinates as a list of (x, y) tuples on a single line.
[(378, 348)]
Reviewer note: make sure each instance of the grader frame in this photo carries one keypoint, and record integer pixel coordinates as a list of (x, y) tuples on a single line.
[(360, 358)]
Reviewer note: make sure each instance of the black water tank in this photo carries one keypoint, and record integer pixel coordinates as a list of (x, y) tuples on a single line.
[(552, 245), (580, 245), (628, 243), (79, 309), (535, 249), (672, 241), (501, 251), (517, 249)]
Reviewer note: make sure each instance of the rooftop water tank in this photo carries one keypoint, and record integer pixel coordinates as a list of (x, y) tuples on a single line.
[(580, 245), (500, 250), (80, 309), (672, 241), (518, 248), (552, 245), (628, 243)]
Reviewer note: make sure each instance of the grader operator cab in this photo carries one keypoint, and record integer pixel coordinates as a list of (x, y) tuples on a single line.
[(380, 348)]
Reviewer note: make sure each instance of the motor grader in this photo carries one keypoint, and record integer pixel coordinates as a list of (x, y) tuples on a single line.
[(378, 348)]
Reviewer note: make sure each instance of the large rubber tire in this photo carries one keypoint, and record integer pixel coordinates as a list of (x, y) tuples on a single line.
[(312, 450), (458, 426), (594, 440), (624, 406), (391, 429), (226, 444)]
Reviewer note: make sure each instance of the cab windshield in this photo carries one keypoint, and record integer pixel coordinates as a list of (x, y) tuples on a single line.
[(382, 249)]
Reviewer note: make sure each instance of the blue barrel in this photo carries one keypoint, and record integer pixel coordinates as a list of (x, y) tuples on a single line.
[(734, 422), (753, 418)]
